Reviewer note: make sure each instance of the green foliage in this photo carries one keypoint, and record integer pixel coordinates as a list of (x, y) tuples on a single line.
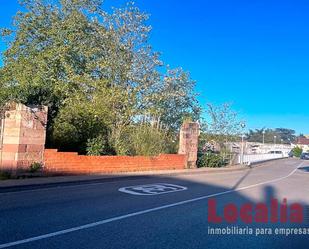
[(297, 151), (278, 135), (148, 141), (75, 124), (96, 72), (98, 146), (173, 100), (35, 167), (221, 125), (211, 160), (143, 139)]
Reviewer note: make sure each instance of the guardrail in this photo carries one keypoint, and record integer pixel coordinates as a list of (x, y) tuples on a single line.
[(248, 159)]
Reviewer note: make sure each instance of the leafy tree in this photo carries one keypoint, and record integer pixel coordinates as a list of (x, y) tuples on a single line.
[(172, 100), (75, 124), (95, 71), (286, 135), (97, 146), (222, 125), (282, 135)]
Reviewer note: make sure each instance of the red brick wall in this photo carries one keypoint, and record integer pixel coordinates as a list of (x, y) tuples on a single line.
[(72, 163)]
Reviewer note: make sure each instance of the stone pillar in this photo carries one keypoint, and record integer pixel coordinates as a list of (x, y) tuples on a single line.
[(23, 136), (188, 142)]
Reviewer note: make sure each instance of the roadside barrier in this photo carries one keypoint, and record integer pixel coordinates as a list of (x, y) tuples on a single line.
[(248, 159)]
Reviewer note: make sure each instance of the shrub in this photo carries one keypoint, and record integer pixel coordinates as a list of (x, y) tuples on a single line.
[(211, 160), (98, 146), (4, 175), (75, 126), (35, 167), (297, 151), (143, 140), (148, 141)]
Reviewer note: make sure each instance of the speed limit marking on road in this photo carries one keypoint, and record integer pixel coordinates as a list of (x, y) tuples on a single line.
[(152, 189)]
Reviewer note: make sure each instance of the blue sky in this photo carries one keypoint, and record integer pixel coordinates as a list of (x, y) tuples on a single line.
[(254, 53)]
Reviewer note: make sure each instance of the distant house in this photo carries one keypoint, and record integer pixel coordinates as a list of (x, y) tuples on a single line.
[(303, 142)]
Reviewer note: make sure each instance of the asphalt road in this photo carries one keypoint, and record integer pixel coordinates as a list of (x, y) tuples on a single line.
[(98, 215)]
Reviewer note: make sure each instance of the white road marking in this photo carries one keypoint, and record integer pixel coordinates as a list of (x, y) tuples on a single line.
[(152, 189), (302, 172), (101, 222)]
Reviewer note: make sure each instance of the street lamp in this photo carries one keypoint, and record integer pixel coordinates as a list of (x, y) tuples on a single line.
[(242, 125), (275, 139), (263, 136)]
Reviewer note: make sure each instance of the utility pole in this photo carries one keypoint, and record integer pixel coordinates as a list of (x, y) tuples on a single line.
[(243, 125)]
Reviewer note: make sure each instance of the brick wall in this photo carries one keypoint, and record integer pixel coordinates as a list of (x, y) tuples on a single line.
[(71, 163)]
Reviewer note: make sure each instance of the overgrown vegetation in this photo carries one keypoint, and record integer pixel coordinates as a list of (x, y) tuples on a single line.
[(149, 141), (212, 160), (35, 167), (107, 91), (297, 151)]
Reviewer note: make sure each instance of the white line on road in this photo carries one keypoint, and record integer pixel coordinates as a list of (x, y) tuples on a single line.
[(101, 222)]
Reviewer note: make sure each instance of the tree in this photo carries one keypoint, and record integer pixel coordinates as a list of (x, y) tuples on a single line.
[(172, 100), (84, 62), (256, 135), (286, 135), (222, 125), (281, 135)]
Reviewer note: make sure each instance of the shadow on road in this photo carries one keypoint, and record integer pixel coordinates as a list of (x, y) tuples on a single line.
[(241, 179), (37, 212), (304, 168)]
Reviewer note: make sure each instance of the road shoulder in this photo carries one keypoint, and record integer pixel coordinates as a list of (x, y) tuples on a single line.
[(20, 184)]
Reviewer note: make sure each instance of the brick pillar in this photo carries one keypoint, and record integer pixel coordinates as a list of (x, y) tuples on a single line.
[(188, 142), (24, 133)]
